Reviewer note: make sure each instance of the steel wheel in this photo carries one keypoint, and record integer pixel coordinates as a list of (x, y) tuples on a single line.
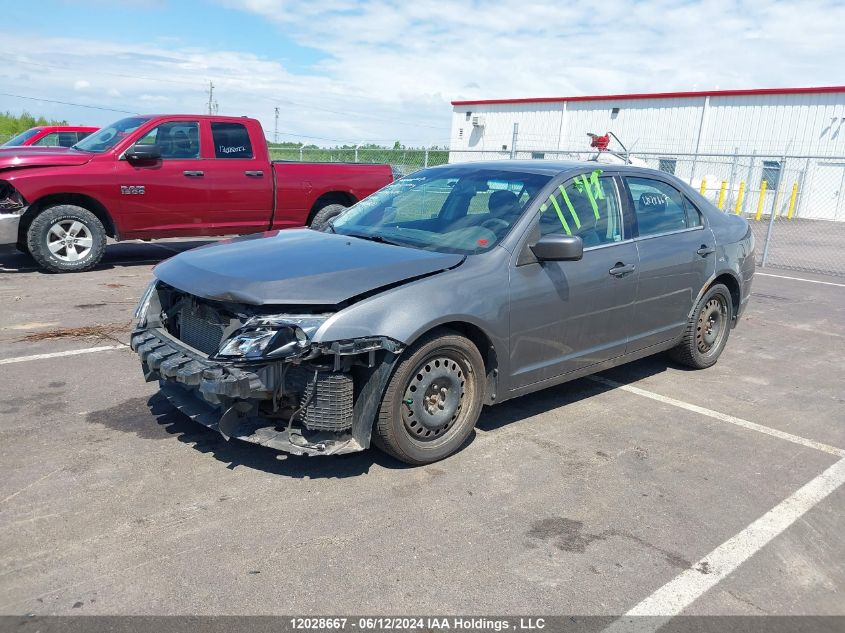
[(69, 240), (434, 397), (707, 330), (711, 323)]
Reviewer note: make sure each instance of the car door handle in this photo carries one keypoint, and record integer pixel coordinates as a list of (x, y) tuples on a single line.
[(254, 174), (620, 269), (193, 174), (705, 250)]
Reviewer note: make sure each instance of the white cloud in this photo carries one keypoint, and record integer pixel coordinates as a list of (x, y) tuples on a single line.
[(81, 84), (390, 68)]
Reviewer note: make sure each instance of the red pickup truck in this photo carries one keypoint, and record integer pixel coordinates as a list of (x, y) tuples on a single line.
[(50, 136), (148, 177)]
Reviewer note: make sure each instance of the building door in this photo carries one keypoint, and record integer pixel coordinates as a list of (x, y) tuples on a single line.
[(824, 199)]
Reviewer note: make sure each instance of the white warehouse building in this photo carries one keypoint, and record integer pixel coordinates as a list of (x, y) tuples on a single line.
[(751, 151)]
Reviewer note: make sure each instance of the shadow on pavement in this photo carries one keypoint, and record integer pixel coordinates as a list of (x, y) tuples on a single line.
[(119, 255)]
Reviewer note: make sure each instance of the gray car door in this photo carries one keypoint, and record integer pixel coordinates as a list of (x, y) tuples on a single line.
[(571, 314), (676, 258)]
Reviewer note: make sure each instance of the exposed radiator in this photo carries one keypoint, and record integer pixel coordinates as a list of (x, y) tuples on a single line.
[(197, 330)]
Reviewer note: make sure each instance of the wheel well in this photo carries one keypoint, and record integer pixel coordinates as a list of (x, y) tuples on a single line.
[(332, 197), (732, 284), (77, 199)]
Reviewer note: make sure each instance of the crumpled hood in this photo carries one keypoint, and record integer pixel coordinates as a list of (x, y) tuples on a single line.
[(297, 267), (17, 157)]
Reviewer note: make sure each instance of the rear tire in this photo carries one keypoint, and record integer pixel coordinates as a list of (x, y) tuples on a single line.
[(326, 215), (433, 399), (707, 331), (66, 239)]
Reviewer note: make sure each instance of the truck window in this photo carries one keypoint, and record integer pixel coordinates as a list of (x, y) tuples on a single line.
[(178, 140), (51, 140), (231, 140)]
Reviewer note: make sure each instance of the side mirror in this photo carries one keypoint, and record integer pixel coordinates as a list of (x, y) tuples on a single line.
[(143, 153), (558, 248)]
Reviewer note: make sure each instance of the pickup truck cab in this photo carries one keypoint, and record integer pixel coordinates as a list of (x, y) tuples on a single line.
[(149, 177)]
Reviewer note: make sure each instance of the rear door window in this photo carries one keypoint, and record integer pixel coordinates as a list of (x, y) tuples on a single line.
[(659, 207), (231, 140)]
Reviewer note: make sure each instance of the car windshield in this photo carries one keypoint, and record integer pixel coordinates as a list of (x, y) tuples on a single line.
[(454, 209), (21, 138), (111, 135)]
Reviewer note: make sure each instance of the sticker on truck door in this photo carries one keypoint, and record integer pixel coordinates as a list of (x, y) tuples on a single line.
[(133, 190)]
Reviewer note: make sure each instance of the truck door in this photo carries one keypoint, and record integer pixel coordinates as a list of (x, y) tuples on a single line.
[(238, 178), (165, 198)]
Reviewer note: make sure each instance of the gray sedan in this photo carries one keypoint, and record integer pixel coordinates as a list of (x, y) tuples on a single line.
[(456, 287)]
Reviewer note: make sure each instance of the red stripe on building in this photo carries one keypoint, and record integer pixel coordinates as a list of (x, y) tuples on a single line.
[(662, 95)]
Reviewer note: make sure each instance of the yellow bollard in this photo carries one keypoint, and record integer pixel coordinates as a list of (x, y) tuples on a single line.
[(792, 201), (760, 201), (722, 194), (703, 187), (739, 197)]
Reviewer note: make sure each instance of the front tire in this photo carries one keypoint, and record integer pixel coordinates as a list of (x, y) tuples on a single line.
[(433, 399), (66, 239), (326, 215), (707, 331)]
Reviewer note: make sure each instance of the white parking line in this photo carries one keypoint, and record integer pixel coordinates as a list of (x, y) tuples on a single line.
[(809, 281), (72, 352), (723, 417), (676, 595)]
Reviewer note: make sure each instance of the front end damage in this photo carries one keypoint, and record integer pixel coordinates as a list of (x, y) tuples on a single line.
[(255, 374)]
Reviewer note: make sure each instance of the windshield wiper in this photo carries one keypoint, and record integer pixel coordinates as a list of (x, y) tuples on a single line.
[(374, 238)]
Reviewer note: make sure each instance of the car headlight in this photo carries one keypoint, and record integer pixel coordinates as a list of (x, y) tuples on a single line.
[(139, 318), (272, 337)]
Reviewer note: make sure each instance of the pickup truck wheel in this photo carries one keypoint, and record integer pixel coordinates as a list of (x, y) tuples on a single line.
[(326, 214), (66, 238), (432, 401), (707, 330)]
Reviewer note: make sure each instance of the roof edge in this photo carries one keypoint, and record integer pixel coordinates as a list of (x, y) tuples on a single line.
[(660, 95)]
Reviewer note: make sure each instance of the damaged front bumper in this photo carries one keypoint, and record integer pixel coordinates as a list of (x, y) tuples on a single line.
[(322, 402)]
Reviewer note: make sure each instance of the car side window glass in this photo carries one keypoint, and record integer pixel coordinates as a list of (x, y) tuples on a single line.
[(659, 207), (177, 140), (51, 140), (693, 214), (231, 140), (586, 206), (67, 139)]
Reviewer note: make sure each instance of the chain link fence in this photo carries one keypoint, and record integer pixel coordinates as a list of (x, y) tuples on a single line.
[(794, 203)]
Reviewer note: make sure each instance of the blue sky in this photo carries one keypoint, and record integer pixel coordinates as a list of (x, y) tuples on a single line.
[(384, 70)]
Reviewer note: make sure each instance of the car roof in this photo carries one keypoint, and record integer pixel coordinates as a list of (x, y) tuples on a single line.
[(550, 167)]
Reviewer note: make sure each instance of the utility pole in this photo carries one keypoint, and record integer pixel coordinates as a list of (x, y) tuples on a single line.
[(210, 97), (276, 128)]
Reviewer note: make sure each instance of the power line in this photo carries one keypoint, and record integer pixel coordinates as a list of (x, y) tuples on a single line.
[(68, 103)]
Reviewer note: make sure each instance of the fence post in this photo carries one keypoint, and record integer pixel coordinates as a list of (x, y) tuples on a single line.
[(731, 179), (513, 140), (356, 153), (300, 153), (772, 213), (425, 164), (802, 181), (750, 176)]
